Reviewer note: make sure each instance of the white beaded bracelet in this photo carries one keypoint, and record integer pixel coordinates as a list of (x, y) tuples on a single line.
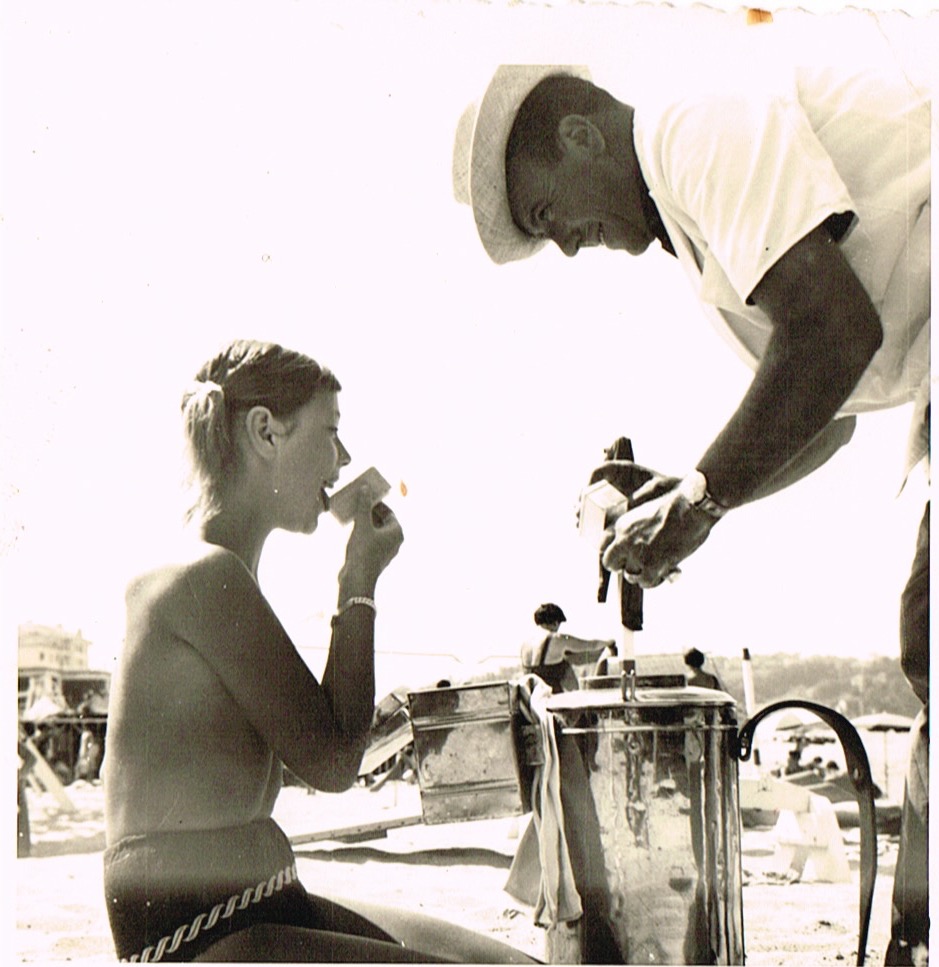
[(366, 602)]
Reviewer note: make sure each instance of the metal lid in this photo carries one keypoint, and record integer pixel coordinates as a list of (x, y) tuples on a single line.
[(607, 698)]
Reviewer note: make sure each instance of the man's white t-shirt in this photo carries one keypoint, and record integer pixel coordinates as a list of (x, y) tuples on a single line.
[(740, 173)]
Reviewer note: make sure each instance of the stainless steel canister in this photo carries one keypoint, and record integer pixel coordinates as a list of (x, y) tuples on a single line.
[(661, 777), (469, 742)]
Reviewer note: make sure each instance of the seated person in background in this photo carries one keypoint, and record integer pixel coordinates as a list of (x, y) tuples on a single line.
[(212, 700), (548, 657), (696, 675), (794, 758)]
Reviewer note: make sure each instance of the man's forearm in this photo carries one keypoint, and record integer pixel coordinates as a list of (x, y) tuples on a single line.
[(793, 399), (825, 333), (831, 439)]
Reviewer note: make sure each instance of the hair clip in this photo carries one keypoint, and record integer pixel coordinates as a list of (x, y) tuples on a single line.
[(203, 389)]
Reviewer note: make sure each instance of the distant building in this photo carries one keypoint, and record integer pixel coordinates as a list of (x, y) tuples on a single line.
[(44, 647), (53, 667)]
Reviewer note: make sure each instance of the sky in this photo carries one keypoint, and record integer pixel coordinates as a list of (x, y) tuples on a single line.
[(181, 174)]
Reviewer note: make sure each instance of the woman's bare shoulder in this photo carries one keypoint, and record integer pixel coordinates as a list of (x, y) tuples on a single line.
[(195, 567)]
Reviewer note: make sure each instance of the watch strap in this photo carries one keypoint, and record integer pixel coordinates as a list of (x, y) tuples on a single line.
[(694, 488)]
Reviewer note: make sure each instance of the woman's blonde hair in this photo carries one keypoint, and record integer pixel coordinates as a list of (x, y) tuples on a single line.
[(244, 374)]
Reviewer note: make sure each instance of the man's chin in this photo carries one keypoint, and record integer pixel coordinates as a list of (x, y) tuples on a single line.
[(629, 247)]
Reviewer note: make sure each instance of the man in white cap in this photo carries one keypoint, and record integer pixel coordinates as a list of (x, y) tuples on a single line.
[(800, 211)]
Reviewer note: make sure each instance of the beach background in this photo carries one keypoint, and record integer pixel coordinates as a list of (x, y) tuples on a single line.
[(185, 173), (456, 872)]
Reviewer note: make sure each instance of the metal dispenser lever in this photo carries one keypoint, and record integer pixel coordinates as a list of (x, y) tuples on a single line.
[(630, 595)]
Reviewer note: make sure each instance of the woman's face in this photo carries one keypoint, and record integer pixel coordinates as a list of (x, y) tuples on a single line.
[(309, 460)]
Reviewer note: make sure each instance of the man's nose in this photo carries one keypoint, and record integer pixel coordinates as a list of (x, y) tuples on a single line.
[(567, 242), (344, 458)]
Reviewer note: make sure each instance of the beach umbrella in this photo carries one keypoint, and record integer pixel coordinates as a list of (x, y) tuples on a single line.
[(883, 722), (795, 718), (43, 708)]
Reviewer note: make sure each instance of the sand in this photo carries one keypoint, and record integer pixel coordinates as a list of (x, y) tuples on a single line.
[(454, 871)]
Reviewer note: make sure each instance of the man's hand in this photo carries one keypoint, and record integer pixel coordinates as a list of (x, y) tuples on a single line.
[(636, 482), (653, 537)]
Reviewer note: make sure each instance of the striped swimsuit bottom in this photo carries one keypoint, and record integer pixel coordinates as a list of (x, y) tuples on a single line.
[(170, 896)]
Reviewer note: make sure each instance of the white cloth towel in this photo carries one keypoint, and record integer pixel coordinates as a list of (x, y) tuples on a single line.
[(558, 899)]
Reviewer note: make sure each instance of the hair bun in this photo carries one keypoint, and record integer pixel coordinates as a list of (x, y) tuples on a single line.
[(200, 390)]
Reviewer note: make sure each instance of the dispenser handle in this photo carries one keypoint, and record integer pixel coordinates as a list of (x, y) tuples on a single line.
[(630, 595), (860, 771)]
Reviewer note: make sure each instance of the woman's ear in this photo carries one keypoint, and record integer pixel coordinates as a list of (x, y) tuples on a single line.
[(263, 430), (580, 136)]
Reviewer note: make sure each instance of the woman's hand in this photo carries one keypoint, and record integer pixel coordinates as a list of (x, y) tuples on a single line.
[(375, 539)]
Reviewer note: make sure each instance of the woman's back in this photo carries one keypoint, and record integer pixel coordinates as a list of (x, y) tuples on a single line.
[(182, 753)]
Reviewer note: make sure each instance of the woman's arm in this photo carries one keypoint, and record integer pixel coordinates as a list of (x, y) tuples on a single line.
[(221, 612), (318, 731), (349, 676)]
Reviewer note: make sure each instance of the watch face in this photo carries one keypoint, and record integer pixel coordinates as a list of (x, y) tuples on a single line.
[(694, 487), (711, 507)]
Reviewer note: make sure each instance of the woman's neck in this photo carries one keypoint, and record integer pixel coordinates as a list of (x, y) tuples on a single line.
[(240, 533)]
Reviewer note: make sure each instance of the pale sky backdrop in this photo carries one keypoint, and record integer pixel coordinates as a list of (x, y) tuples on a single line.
[(182, 173)]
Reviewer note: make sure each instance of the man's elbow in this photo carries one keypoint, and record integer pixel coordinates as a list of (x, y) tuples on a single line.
[(855, 340), (870, 337), (842, 430)]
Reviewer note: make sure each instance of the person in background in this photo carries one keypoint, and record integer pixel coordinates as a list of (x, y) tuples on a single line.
[(696, 675), (211, 699), (794, 758), (550, 657), (89, 755), (25, 762)]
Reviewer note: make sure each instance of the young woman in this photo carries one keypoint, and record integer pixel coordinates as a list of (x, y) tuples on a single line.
[(211, 698)]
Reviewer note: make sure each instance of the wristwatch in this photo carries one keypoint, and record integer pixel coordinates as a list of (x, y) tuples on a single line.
[(694, 488)]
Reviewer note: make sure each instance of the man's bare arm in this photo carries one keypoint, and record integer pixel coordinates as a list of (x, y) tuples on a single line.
[(825, 445), (825, 333)]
